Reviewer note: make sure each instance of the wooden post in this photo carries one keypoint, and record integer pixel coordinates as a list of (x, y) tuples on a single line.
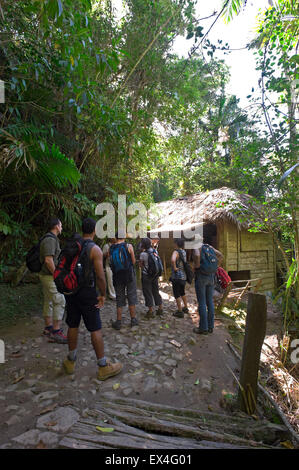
[(255, 331), (165, 268)]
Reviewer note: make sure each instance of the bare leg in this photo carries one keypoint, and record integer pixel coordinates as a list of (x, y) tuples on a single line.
[(179, 304), (132, 309), (48, 321), (185, 301), (97, 343), (56, 324), (118, 313), (72, 337)]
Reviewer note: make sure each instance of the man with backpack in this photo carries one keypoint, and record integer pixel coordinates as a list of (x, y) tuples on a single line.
[(86, 303), (151, 269), (206, 260), (122, 261), (54, 302), (179, 277)]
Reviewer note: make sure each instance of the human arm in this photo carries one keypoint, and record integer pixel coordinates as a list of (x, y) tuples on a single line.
[(49, 262), (131, 251), (96, 257), (174, 257), (220, 257)]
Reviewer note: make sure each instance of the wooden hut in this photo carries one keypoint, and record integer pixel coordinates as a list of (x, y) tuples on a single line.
[(225, 216)]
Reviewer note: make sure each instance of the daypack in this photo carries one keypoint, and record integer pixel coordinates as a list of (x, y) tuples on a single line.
[(208, 260), (187, 268), (33, 256), (222, 277), (155, 267), (74, 269), (120, 260)]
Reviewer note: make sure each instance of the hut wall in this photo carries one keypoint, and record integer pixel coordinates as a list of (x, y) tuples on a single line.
[(248, 251)]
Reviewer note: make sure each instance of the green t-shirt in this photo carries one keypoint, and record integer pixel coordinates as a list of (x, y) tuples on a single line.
[(49, 247)]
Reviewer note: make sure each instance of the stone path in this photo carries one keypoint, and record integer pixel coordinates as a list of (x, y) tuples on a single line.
[(39, 404)]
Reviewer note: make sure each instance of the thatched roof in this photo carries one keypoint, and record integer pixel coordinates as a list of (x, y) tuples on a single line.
[(223, 204)]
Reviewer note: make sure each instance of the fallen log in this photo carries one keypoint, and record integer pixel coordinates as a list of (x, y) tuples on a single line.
[(163, 426), (263, 431)]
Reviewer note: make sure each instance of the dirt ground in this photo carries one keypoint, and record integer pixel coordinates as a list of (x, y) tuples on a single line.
[(196, 373)]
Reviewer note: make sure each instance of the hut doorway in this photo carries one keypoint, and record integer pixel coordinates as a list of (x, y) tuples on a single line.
[(210, 232)]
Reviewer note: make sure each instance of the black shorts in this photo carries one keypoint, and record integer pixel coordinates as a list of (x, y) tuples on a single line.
[(178, 287), (82, 305)]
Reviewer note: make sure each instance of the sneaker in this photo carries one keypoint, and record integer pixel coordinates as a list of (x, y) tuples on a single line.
[(200, 332), (116, 324), (58, 337), (47, 331), (68, 366), (178, 314), (210, 330), (185, 310), (109, 370), (134, 322)]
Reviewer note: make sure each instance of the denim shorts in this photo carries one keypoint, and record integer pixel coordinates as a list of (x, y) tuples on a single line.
[(82, 305)]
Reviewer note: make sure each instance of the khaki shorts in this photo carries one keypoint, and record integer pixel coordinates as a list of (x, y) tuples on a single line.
[(54, 302)]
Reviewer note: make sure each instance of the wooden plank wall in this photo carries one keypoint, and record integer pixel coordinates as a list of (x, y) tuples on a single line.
[(247, 251), (242, 250)]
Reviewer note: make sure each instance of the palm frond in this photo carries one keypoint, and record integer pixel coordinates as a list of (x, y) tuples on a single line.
[(231, 8)]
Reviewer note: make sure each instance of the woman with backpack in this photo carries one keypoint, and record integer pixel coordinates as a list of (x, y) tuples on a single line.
[(122, 261), (206, 261), (150, 265), (179, 278)]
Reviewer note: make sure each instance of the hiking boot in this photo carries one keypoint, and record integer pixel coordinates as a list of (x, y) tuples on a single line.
[(200, 332), (160, 312), (47, 331), (185, 310), (134, 322), (178, 314), (116, 324), (57, 336), (68, 366), (149, 315), (109, 370)]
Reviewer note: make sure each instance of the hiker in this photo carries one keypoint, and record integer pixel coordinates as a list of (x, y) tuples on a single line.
[(54, 302), (206, 261), (150, 280), (86, 303), (122, 261), (108, 271), (155, 243), (178, 278)]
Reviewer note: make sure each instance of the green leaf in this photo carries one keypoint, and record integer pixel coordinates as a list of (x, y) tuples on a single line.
[(99, 428)]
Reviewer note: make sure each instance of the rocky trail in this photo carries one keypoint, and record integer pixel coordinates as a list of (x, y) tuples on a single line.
[(165, 365)]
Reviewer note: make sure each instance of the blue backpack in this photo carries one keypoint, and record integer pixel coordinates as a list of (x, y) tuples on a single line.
[(208, 260), (120, 258)]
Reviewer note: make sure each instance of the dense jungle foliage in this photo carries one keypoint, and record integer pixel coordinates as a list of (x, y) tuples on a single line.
[(97, 105)]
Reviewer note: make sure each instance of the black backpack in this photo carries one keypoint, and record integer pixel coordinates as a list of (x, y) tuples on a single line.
[(155, 267), (187, 268), (74, 269), (33, 256)]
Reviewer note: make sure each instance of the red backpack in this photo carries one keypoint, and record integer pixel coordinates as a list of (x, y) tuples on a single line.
[(223, 277), (73, 270)]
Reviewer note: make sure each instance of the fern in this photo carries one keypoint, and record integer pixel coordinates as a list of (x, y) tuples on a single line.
[(27, 146)]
